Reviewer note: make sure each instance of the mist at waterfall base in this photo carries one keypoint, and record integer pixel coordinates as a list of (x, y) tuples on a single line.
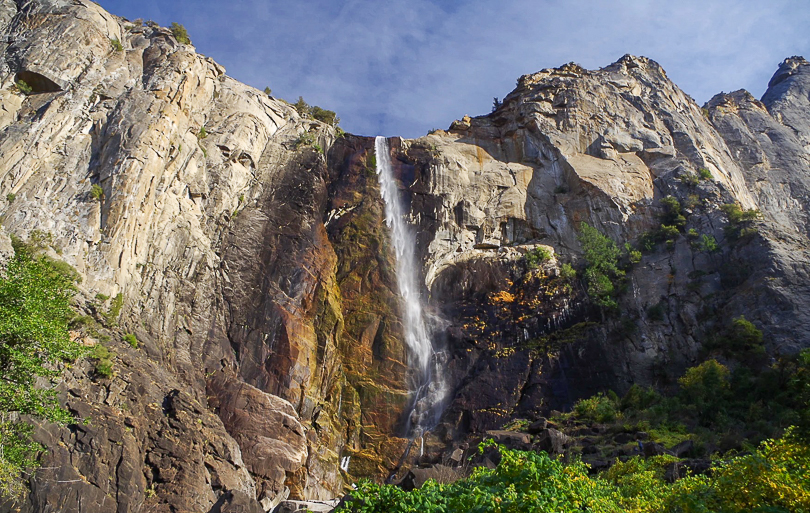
[(426, 364)]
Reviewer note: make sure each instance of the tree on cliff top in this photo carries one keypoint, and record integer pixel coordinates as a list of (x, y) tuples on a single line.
[(34, 343)]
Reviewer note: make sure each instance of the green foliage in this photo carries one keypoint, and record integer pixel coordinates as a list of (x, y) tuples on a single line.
[(741, 340), (103, 358), (180, 33), (339, 132), (704, 174), (737, 215), (10, 197), (567, 273), (707, 244), (23, 87), (268, 91), (202, 134), (302, 107), (772, 479), (522, 482), (116, 45), (111, 317), (657, 311), (305, 139), (34, 344), (602, 272), (326, 116), (371, 163), (536, 256), (599, 408), (313, 111), (633, 255), (96, 192), (131, 339), (689, 179), (672, 213)]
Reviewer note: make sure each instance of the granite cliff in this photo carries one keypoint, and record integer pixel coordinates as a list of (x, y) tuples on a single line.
[(245, 247)]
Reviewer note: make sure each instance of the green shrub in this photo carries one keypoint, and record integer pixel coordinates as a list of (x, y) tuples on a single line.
[(132, 340), (598, 408), (536, 256), (657, 311), (305, 139), (111, 317), (708, 244), (23, 87), (771, 479), (96, 192), (326, 116), (34, 346), (202, 134), (268, 91), (302, 107), (737, 215), (704, 174), (689, 179), (116, 45), (180, 33), (602, 272), (567, 273), (10, 197), (672, 213)]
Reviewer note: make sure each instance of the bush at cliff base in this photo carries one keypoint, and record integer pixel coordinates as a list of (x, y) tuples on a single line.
[(775, 478)]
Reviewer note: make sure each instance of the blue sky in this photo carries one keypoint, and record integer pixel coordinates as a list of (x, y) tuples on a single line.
[(405, 67)]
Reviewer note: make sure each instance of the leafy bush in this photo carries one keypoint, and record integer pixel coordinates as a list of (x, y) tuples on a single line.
[(103, 357), (522, 482), (301, 106), (96, 192), (772, 479), (602, 272), (313, 111), (111, 317), (567, 273), (23, 87), (116, 45), (536, 256), (657, 311), (326, 116), (268, 91), (672, 213), (202, 134), (34, 341), (305, 139), (10, 197), (598, 408), (707, 244), (132, 340), (689, 179), (704, 174), (180, 33), (737, 215)]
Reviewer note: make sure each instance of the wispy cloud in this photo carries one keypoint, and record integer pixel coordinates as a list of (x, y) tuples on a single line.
[(404, 67)]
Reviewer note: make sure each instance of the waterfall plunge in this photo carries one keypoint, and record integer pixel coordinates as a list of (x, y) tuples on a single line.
[(425, 362)]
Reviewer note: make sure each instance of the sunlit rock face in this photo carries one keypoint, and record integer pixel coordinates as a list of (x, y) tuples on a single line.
[(255, 267)]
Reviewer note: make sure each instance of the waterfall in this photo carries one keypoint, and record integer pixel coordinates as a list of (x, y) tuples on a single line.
[(424, 361)]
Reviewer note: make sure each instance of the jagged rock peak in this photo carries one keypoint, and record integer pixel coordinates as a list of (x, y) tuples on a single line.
[(789, 67)]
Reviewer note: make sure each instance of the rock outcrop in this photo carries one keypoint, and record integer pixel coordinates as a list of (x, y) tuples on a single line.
[(244, 246)]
